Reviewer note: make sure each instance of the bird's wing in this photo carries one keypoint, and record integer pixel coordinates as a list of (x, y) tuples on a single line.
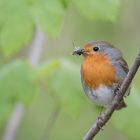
[(124, 65), (122, 68), (122, 72)]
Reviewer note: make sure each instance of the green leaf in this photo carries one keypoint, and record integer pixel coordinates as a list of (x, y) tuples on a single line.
[(64, 85), (16, 26), (45, 69), (65, 3), (127, 120), (15, 34), (18, 18), (98, 9), (49, 15), (17, 83), (8, 9)]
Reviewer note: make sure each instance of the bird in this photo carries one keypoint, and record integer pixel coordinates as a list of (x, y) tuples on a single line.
[(102, 72)]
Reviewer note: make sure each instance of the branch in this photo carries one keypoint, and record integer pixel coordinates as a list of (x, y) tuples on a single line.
[(104, 117)]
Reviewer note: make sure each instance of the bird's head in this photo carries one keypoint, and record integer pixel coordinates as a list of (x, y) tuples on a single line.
[(98, 48)]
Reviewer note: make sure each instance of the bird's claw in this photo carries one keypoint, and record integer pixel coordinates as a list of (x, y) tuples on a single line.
[(117, 89), (99, 122)]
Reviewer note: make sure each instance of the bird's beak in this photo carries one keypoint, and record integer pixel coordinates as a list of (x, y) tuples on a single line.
[(79, 51)]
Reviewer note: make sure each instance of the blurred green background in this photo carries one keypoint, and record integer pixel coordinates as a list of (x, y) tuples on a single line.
[(41, 97)]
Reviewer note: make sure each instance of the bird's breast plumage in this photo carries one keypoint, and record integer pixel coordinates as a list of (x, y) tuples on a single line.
[(97, 70)]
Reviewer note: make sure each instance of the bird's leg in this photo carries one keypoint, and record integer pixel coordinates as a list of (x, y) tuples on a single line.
[(117, 89), (99, 118), (99, 121), (101, 110)]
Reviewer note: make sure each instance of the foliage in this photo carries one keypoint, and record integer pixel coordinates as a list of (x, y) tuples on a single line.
[(18, 19), (66, 80), (98, 9), (17, 83)]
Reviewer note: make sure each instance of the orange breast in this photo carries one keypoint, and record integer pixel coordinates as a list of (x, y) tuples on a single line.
[(97, 70)]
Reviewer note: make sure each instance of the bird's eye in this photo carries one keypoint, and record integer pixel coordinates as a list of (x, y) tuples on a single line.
[(95, 49)]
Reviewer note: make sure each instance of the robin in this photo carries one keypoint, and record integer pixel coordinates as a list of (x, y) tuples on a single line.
[(102, 72)]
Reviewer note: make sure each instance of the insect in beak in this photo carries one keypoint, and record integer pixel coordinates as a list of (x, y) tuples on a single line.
[(79, 51)]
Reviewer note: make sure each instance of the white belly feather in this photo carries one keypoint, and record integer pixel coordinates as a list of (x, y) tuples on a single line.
[(101, 96)]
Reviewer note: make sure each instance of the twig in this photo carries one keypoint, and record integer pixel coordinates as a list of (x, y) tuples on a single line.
[(36, 47), (12, 127), (52, 119), (104, 117)]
